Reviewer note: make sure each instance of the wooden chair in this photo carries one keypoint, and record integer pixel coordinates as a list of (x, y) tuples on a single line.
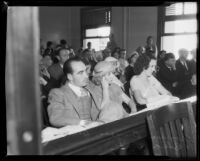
[(173, 130)]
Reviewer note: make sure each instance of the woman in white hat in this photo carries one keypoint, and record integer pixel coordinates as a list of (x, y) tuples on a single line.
[(112, 93)]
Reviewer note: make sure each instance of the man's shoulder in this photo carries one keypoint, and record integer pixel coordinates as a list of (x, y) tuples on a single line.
[(56, 65), (95, 89), (91, 85), (178, 61)]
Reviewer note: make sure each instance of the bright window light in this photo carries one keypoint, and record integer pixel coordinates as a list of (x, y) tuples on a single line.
[(181, 26), (176, 42), (97, 43), (101, 31), (190, 7), (91, 32), (178, 8)]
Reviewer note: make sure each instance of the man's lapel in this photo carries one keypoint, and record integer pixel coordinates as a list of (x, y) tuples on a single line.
[(95, 92), (72, 97)]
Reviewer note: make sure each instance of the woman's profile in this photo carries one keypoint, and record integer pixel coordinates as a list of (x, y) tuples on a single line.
[(146, 89)]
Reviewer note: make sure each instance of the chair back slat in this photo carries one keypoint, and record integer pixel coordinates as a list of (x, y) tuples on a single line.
[(175, 138), (164, 141), (192, 123), (188, 137), (174, 129), (156, 139), (181, 141), (169, 140)]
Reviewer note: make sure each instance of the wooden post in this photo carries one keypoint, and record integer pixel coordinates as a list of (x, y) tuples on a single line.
[(22, 81)]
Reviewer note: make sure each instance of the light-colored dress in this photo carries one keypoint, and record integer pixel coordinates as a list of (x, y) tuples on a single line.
[(147, 91), (113, 110), (151, 91)]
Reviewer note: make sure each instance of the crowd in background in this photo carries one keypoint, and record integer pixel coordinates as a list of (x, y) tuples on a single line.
[(145, 73)]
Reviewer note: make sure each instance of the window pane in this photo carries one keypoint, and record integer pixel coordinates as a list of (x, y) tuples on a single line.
[(181, 26), (91, 32), (97, 44), (174, 9), (174, 43), (101, 31), (190, 8)]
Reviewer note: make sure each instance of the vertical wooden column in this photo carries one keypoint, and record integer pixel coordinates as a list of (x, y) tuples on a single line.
[(22, 81)]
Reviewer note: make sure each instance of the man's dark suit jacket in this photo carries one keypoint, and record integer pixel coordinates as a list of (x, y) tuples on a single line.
[(64, 106), (184, 87), (192, 66), (56, 72), (167, 77)]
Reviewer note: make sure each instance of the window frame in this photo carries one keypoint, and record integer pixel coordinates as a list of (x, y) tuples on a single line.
[(85, 27), (162, 18)]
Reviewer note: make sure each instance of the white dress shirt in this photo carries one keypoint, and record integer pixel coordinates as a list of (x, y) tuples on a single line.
[(77, 90)]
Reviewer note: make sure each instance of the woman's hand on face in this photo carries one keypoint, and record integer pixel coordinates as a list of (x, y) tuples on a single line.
[(115, 80), (105, 82)]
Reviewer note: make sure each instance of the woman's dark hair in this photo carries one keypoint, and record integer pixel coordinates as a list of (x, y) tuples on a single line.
[(129, 59), (116, 49), (47, 54), (63, 42), (67, 67), (148, 38), (49, 43), (121, 50), (142, 63), (168, 56), (113, 53)]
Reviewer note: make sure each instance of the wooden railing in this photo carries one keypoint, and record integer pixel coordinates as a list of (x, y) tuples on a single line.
[(102, 139)]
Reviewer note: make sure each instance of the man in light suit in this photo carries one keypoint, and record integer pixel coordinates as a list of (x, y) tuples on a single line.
[(76, 102)]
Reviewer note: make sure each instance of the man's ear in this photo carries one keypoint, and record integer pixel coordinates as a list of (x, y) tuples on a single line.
[(69, 76)]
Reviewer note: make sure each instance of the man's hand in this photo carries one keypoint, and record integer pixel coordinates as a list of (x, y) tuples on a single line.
[(194, 80), (175, 84)]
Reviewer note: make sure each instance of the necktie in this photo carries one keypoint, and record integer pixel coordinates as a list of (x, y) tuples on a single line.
[(83, 92), (185, 65)]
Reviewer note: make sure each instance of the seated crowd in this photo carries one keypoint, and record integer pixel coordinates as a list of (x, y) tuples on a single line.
[(104, 86)]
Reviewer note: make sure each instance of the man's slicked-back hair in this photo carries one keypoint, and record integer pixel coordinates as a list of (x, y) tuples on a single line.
[(67, 67)]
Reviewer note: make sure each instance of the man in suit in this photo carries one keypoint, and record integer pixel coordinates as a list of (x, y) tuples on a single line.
[(167, 73), (184, 75), (49, 49), (192, 62), (76, 102), (56, 70)]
